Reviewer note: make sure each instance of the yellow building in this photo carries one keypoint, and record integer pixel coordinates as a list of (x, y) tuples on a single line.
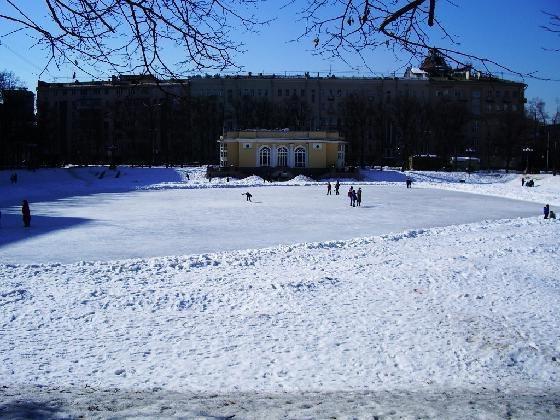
[(284, 151)]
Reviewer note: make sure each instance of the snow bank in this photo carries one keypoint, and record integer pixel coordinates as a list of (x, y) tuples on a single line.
[(477, 310)]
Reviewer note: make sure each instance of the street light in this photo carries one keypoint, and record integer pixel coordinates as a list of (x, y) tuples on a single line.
[(155, 148), (527, 150), (110, 155)]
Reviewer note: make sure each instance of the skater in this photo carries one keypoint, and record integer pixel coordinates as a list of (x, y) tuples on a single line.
[(337, 187), (359, 197), (188, 177), (408, 182), (352, 196), (249, 195), (329, 192), (522, 181), (26, 213), (546, 210)]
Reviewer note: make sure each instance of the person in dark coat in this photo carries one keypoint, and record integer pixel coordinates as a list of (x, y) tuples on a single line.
[(26, 213), (546, 210), (249, 195), (552, 215), (329, 189), (337, 187), (522, 181), (408, 182), (351, 196), (359, 197)]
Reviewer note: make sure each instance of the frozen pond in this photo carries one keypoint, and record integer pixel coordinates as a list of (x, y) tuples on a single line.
[(188, 221)]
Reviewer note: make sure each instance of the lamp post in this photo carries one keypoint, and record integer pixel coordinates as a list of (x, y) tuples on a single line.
[(110, 155), (153, 130), (527, 150)]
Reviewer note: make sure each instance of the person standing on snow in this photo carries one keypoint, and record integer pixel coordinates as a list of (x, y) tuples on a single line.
[(249, 195), (408, 182), (337, 187), (351, 196), (522, 181), (546, 210), (359, 197), (26, 213), (329, 192)]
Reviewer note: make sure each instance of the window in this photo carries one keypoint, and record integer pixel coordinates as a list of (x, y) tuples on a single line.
[(279, 92), (340, 155), (302, 92), (264, 156), (223, 154), (475, 126), (300, 157), (288, 92), (282, 156)]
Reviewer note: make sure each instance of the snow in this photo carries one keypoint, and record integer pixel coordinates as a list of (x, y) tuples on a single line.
[(426, 302)]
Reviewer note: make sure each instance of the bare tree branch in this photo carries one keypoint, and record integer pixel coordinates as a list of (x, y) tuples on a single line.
[(121, 35)]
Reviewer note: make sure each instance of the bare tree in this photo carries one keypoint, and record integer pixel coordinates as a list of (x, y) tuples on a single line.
[(553, 26), (340, 27), (8, 80), (135, 36)]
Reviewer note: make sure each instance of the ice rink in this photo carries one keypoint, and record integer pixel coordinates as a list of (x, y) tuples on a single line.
[(138, 224)]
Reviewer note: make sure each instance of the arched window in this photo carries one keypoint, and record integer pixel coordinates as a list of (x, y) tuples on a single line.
[(282, 156), (300, 157), (264, 156)]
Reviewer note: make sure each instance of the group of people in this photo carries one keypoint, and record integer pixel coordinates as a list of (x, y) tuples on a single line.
[(355, 197), (548, 214), (336, 188), (13, 178), (527, 183)]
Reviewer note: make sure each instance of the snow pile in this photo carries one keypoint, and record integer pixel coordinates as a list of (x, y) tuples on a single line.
[(546, 189), (477, 310), (301, 180)]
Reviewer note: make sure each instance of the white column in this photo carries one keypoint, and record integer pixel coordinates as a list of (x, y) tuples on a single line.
[(291, 157), (273, 155)]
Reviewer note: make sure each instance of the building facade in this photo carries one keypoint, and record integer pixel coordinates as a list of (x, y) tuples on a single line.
[(430, 110), (277, 153), (18, 142)]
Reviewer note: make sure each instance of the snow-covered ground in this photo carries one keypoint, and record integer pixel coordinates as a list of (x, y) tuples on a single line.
[(449, 311)]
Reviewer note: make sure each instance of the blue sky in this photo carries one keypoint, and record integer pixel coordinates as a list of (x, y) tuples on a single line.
[(506, 31)]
